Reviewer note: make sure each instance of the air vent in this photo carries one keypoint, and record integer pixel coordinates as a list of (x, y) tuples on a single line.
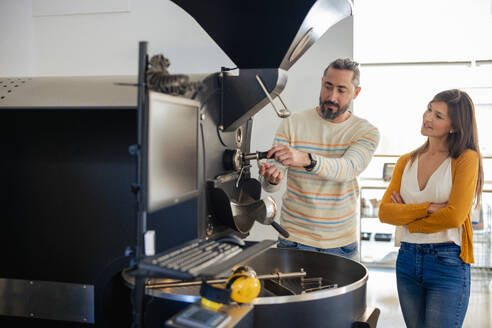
[(8, 86)]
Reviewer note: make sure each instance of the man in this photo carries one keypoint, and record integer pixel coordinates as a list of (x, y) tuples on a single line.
[(322, 151)]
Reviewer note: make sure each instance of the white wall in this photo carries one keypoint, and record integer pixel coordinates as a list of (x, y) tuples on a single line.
[(16, 38), (101, 43), (422, 30), (301, 92)]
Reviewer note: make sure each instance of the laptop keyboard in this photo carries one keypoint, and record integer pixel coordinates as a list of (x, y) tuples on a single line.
[(200, 257)]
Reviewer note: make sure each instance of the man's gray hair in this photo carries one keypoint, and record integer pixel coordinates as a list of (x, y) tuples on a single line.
[(346, 64)]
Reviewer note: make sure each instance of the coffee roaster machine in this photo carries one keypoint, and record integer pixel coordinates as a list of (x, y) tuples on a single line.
[(264, 39), (67, 141)]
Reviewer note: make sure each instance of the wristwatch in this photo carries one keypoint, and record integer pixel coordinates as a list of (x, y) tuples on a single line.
[(311, 165)]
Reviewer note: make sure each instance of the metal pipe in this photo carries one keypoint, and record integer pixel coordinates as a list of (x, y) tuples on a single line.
[(278, 275)]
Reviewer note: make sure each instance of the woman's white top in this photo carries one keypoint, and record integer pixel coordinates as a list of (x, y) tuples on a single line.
[(437, 190)]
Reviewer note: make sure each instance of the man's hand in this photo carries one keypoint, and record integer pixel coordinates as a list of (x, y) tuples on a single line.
[(271, 173), (289, 156), (433, 207)]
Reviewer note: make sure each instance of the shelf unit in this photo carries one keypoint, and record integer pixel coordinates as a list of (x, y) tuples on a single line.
[(377, 239)]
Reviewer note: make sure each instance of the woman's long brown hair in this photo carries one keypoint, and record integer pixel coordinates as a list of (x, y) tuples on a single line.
[(461, 111)]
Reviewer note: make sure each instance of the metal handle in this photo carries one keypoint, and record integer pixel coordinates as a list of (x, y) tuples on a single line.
[(258, 155), (262, 154), (283, 112), (280, 230), (369, 319)]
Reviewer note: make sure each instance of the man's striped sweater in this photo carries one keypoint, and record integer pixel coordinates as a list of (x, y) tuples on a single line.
[(320, 207)]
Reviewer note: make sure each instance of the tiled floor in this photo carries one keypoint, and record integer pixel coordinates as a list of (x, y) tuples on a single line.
[(381, 293)]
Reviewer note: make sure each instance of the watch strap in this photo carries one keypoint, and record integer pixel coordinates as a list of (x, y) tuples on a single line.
[(311, 165)]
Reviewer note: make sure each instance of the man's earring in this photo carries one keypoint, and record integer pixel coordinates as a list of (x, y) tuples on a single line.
[(451, 131)]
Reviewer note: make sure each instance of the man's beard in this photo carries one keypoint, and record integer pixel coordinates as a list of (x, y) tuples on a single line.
[(328, 113)]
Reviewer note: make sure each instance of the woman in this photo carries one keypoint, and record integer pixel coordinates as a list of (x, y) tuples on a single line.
[(429, 200)]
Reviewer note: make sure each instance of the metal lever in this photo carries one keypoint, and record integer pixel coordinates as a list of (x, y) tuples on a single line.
[(282, 112), (241, 174)]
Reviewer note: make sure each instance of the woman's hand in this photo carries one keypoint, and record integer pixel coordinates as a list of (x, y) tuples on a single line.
[(433, 207), (396, 198)]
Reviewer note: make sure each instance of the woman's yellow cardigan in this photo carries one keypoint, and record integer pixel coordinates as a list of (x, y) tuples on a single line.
[(464, 170)]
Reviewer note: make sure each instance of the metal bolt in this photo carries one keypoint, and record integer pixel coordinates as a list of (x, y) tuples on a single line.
[(210, 229)]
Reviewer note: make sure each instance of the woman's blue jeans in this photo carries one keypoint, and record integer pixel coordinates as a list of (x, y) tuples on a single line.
[(433, 285), (350, 251)]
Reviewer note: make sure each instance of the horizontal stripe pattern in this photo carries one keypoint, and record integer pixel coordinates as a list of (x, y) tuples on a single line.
[(321, 208)]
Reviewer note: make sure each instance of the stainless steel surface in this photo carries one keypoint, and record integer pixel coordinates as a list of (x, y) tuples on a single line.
[(64, 92), (322, 16), (47, 300), (282, 112), (350, 275), (301, 45), (242, 215), (250, 156), (268, 210), (245, 214), (343, 304)]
